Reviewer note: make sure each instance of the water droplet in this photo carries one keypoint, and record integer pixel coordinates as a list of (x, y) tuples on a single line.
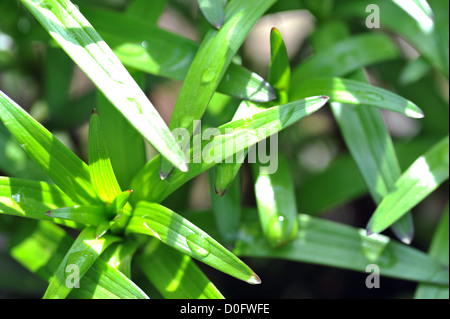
[(135, 103), (372, 96), (373, 246), (144, 44), (254, 279), (198, 245), (280, 230), (208, 75)]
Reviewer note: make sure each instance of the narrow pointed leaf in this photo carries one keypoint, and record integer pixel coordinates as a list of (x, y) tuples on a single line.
[(147, 48), (177, 232), (275, 199), (84, 45), (175, 275), (279, 70), (365, 135), (416, 183), (259, 125), (227, 209), (225, 173), (80, 257), (397, 20), (100, 168), (333, 244), (88, 215), (40, 248), (68, 171), (355, 92), (210, 64), (122, 139), (213, 11), (439, 249), (349, 54), (32, 199)]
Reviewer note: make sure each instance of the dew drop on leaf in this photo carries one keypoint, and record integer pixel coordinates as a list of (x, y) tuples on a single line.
[(198, 245)]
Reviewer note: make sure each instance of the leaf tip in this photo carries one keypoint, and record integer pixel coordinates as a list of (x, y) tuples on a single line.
[(254, 279)]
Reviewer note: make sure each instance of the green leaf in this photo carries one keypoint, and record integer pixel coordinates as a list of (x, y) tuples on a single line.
[(88, 215), (279, 70), (146, 10), (80, 257), (227, 209), (31, 199), (416, 183), (13, 159), (175, 275), (394, 18), (225, 173), (275, 199), (145, 47), (120, 255), (349, 54), (355, 92), (367, 138), (419, 10), (210, 64), (69, 172), (213, 11), (84, 45), (40, 247), (439, 249), (279, 77), (333, 244), (172, 229), (121, 140), (259, 125), (100, 168)]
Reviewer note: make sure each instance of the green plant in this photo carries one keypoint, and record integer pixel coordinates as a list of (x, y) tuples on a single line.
[(127, 208)]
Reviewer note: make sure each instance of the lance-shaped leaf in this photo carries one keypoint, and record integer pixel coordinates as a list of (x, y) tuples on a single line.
[(80, 257), (174, 230), (213, 11), (279, 78), (121, 140), (275, 198), (41, 247), (210, 64), (234, 137), (100, 168), (31, 199), (88, 215), (147, 48), (84, 45), (365, 135), (68, 171), (274, 187), (349, 54), (227, 209), (175, 275), (355, 92), (400, 22), (225, 173), (333, 244), (416, 183), (439, 249)]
